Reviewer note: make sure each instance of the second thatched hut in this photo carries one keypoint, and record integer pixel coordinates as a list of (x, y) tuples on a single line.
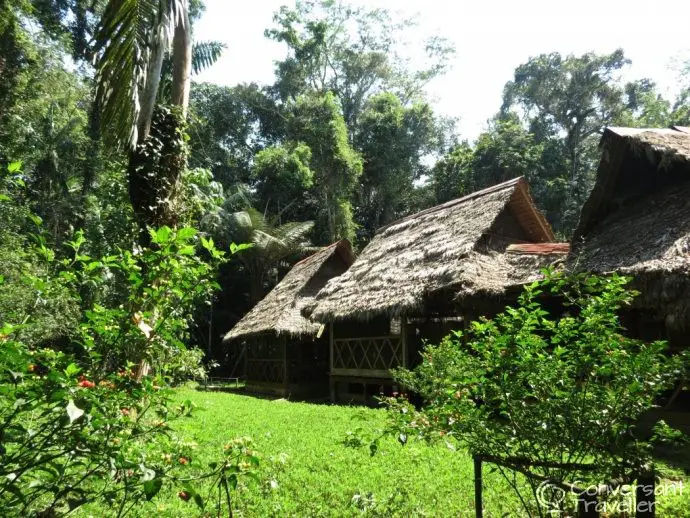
[(285, 353)]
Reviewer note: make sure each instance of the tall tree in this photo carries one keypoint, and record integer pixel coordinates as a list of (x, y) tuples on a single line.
[(350, 51), (282, 176), (452, 175), (394, 139), (565, 102), (317, 121), (228, 126)]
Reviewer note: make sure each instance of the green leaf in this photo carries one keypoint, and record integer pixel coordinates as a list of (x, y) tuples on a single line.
[(163, 235), (71, 370), (152, 487), (186, 233), (14, 167), (239, 248), (73, 412), (36, 219)]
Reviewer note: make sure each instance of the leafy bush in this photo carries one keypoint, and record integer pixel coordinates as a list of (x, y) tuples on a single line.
[(555, 396), (68, 439), (83, 423)]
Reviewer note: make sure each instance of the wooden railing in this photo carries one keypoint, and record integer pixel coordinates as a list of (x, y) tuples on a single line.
[(372, 356), (265, 370)]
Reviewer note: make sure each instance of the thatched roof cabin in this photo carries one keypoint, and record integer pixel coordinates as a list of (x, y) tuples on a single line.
[(425, 275), (284, 353), (457, 247), (637, 222), (279, 313)]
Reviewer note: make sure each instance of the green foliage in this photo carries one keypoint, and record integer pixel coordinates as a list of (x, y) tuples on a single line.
[(70, 438), (453, 175), (131, 39), (199, 196), (352, 52), (82, 423), (228, 126), (282, 174), (546, 392), (165, 283), (271, 245), (565, 103), (317, 121), (394, 139)]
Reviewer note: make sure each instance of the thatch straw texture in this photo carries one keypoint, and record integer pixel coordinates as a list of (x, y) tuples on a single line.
[(452, 246), (651, 234), (280, 311), (637, 218)]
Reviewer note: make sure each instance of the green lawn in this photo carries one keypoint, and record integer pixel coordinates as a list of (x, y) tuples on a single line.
[(307, 471)]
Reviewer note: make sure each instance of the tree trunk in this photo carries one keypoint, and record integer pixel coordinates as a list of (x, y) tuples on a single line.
[(182, 63), (148, 95)]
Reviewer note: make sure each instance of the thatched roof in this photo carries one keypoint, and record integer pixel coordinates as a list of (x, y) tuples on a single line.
[(280, 311), (455, 246), (637, 219)]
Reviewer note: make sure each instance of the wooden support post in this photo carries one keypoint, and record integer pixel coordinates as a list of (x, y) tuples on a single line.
[(478, 499), (403, 339), (286, 379), (645, 498), (244, 354), (331, 359)]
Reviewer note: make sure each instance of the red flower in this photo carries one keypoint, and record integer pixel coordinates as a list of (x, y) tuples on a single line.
[(86, 384), (183, 495), (183, 460)]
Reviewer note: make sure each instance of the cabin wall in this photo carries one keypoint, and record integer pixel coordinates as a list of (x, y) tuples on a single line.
[(287, 366)]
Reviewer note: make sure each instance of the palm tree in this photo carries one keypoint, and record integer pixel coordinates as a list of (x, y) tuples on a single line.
[(272, 245), (132, 41)]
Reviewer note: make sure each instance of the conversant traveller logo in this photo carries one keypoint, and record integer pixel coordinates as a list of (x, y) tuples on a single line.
[(618, 500)]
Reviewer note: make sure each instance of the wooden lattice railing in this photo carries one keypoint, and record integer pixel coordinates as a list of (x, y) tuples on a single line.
[(265, 370), (369, 356)]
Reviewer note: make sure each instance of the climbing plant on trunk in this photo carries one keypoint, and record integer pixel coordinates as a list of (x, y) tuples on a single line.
[(132, 41)]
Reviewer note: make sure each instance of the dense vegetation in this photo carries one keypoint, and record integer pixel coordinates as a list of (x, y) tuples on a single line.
[(125, 186), (345, 137), (555, 393)]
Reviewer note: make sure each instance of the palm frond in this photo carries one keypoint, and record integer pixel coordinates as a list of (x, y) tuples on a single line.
[(294, 233), (205, 54), (129, 35)]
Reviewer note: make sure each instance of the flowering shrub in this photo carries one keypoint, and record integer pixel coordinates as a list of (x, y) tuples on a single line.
[(555, 394), (68, 439), (84, 423)]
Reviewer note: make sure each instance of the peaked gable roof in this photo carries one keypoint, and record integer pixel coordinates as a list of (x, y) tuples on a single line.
[(279, 312), (432, 250)]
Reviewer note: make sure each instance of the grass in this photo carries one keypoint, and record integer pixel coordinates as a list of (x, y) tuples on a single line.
[(306, 470)]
